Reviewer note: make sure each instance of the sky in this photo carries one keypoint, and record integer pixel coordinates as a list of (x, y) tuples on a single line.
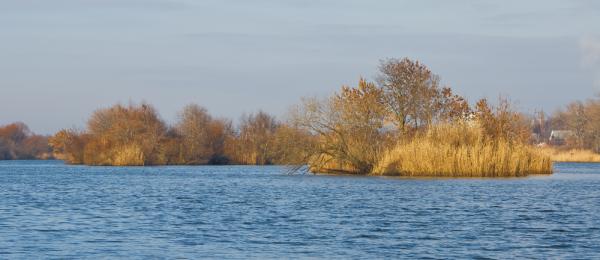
[(62, 59)]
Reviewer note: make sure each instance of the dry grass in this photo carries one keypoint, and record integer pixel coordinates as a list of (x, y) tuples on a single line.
[(462, 150), (130, 155), (572, 155)]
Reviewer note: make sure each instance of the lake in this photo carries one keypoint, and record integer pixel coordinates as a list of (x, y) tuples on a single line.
[(52, 210)]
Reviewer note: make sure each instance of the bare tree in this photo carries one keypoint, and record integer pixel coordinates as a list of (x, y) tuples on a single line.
[(411, 92), (125, 135), (193, 127), (501, 122), (349, 126), (592, 140), (577, 121), (255, 142)]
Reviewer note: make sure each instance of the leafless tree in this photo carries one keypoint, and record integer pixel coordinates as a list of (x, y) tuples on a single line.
[(411, 92), (193, 127), (350, 126)]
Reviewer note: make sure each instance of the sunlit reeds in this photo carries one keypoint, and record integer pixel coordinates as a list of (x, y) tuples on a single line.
[(462, 150), (571, 155)]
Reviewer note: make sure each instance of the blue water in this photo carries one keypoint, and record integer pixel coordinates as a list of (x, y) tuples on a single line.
[(51, 210)]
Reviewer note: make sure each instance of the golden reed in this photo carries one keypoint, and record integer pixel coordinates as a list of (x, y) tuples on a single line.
[(572, 155), (462, 150)]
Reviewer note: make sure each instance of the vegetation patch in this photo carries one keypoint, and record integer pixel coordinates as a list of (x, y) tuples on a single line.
[(408, 125), (404, 123), (572, 155), (17, 142), (462, 151)]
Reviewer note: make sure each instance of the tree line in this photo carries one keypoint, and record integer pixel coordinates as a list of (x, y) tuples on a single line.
[(136, 135), (582, 121), (351, 131), (17, 142)]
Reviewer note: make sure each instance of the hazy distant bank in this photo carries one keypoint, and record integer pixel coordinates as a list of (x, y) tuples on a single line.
[(17, 142)]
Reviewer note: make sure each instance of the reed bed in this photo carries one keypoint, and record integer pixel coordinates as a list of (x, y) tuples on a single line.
[(130, 155), (572, 155), (462, 150)]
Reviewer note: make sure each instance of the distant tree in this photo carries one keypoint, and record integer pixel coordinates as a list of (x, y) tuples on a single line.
[(193, 127), (202, 138), (17, 132), (592, 137), (69, 145), (293, 145), (6, 149), (583, 120), (220, 132), (502, 122), (577, 121), (411, 91), (255, 140), (18, 142), (172, 147), (36, 147), (125, 135)]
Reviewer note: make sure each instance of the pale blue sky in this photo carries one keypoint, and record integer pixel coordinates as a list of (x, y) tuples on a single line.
[(62, 59)]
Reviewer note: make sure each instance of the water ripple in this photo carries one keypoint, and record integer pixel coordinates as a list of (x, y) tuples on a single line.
[(50, 210)]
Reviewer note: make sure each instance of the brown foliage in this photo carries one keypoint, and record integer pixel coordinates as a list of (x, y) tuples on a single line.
[(202, 138), (349, 126), (501, 122), (18, 142), (351, 131), (69, 146), (353, 135), (135, 135), (255, 142), (413, 95), (120, 135), (583, 120)]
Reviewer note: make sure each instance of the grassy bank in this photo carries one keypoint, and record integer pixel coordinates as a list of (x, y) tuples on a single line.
[(572, 155), (462, 151)]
